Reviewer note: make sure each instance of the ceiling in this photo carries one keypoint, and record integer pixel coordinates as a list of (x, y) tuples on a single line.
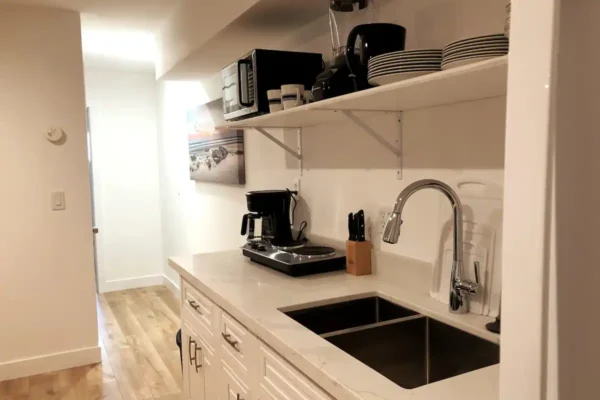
[(146, 15), (197, 31), (217, 42), (116, 32)]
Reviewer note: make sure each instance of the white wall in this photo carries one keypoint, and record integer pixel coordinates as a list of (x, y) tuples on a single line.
[(345, 170), (574, 321), (123, 118), (550, 333), (47, 294), (206, 217), (527, 226)]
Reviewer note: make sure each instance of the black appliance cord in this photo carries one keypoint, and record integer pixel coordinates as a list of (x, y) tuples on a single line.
[(295, 203), (303, 224)]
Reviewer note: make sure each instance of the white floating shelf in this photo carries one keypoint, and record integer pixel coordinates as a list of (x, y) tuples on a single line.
[(478, 81)]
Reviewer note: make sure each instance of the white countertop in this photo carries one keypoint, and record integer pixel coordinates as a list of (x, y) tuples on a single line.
[(253, 294)]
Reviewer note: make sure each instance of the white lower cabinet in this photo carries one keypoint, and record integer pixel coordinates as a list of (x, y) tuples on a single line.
[(281, 380), (211, 375), (263, 394), (193, 375), (233, 387), (222, 360), (200, 367)]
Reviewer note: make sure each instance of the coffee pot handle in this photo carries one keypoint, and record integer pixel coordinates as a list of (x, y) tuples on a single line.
[(352, 60), (244, 224)]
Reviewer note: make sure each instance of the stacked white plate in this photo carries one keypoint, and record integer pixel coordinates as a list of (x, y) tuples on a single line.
[(400, 65), (475, 49)]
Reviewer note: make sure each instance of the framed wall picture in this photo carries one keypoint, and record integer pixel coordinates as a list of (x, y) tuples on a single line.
[(216, 155)]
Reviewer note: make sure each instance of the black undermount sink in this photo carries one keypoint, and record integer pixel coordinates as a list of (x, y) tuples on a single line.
[(408, 348)]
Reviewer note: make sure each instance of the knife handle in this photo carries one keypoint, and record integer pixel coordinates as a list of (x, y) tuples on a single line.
[(361, 226)]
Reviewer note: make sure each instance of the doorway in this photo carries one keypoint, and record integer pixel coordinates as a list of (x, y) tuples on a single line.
[(91, 172)]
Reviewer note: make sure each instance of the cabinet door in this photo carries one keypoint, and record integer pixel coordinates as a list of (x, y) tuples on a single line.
[(233, 387), (210, 371), (264, 395), (186, 344), (193, 373), (279, 379)]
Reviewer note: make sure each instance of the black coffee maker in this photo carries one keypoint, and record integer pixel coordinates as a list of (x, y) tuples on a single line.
[(272, 207)]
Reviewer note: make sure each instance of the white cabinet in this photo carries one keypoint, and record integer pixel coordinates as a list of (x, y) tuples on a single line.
[(202, 311), (264, 395), (193, 375), (280, 380), (210, 372), (200, 371), (223, 360), (233, 386)]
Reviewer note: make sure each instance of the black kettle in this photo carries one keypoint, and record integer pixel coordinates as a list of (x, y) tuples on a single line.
[(376, 39)]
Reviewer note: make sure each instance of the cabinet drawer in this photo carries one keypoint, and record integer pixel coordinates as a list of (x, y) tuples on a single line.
[(234, 386), (200, 328), (237, 344), (280, 380), (199, 305)]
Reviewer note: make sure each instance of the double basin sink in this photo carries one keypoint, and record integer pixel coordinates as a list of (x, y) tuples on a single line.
[(407, 348)]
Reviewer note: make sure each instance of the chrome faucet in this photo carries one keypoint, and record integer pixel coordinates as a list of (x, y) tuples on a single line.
[(459, 289)]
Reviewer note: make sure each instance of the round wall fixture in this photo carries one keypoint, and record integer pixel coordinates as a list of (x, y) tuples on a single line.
[(54, 134)]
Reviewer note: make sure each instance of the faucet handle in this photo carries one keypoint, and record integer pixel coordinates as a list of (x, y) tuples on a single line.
[(468, 287)]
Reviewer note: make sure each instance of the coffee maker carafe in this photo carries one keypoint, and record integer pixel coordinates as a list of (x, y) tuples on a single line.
[(272, 208)]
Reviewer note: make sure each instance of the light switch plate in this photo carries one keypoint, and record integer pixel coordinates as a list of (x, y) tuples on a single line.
[(58, 201)]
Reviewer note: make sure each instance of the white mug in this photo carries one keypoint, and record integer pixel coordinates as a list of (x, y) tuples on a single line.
[(292, 96), (274, 97)]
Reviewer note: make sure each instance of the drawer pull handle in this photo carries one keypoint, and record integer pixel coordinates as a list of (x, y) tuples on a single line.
[(196, 358), (230, 341), (192, 357), (195, 306)]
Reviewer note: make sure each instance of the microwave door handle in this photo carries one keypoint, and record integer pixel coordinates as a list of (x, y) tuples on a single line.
[(239, 66)]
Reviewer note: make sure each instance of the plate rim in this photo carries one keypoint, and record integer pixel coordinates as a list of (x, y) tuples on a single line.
[(483, 54), (477, 46), (403, 59), (404, 63), (469, 48), (483, 59), (482, 38), (476, 51), (467, 45), (375, 71), (407, 55), (426, 73), (394, 72)]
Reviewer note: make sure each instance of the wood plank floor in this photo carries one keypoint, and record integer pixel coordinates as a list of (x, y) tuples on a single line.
[(140, 360)]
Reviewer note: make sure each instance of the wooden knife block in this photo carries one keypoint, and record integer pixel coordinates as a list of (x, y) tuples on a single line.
[(358, 258)]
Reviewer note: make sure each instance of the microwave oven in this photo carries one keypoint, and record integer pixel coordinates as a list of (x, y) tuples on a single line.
[(247, 80)]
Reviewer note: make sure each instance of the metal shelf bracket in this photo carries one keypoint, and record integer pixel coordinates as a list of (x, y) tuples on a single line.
[(295, 153), (394, 149), (371, 132)]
